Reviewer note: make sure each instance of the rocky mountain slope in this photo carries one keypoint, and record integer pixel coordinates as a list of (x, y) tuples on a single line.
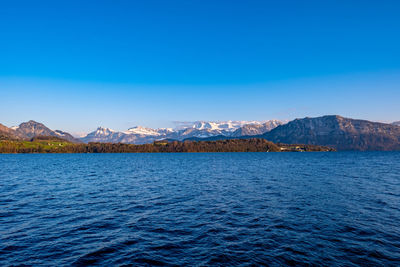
[(8, 133), (396, 123), (338, 132)]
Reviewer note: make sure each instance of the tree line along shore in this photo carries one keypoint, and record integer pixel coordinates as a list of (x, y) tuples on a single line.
[(45, 144)]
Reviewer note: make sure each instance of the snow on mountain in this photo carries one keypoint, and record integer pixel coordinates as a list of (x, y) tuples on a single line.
[(59, 133), (229, 126), (183, 130), (103, 135), (101, 130), (256, 128), (142, 131), (202, 132), (165, 130)]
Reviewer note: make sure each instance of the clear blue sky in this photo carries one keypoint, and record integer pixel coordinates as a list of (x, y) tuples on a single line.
[(75, 65)]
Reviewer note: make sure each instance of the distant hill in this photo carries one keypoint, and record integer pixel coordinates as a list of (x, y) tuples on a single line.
[(338, 132), (31, 129), (396, 123)]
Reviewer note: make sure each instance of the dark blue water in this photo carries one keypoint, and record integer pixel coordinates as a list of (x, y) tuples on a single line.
[(200, 209)]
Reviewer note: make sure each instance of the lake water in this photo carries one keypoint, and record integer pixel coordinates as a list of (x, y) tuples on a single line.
[(200, 209)]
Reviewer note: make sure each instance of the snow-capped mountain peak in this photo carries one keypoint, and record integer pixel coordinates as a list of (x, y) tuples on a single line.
[(103, 135), (202, 125), (103, 131), (142, 131)]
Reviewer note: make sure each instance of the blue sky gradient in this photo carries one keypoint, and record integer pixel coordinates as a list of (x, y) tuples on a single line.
[(75, 65)]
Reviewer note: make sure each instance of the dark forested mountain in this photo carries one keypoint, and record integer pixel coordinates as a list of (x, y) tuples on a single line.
[(338, 132), (30, 129)]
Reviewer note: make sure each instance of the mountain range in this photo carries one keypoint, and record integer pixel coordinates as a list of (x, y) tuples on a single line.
[(198, 129), (332, 130)]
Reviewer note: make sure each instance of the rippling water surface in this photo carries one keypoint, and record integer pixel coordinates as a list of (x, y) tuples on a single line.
[(200, 209)]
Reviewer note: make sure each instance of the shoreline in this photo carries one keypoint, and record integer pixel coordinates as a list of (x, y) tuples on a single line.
[(46, 146)]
